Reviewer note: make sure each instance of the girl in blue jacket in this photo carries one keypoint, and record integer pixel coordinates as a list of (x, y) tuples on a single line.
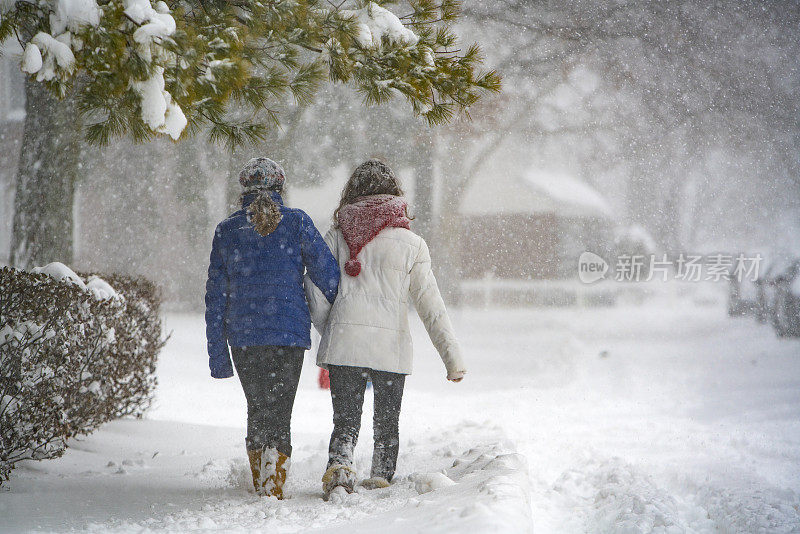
[(255, 303)]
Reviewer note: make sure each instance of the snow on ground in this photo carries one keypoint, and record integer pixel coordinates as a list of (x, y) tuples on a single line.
[(651, 418), (163, 476)]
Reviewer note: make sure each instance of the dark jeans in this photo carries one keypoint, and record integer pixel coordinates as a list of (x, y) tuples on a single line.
[(269, 377), (347, 392)]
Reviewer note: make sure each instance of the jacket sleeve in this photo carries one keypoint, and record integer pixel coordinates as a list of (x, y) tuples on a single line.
[(430, 306), (219, 359), (318, 304), (321, 267)]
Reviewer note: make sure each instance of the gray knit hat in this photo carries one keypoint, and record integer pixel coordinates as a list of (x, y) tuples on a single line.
[(262, 172)]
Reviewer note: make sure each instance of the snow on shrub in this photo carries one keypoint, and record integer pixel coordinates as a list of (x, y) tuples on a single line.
[(74, 354)]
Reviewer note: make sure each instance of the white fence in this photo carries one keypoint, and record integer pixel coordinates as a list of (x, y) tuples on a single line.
[(491, 291)]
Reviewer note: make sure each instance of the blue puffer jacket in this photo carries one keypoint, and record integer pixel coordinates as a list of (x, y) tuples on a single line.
[(254, 293)]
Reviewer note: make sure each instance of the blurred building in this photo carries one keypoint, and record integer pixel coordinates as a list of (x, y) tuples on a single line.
[(531, 226)]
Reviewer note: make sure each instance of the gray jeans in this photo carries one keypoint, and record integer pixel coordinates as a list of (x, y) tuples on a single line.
[(347, 393), (269, 376)]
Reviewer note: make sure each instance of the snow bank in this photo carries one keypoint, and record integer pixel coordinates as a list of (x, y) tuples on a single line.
[(502, 500), (613, 496), (762, 510), (617, 496), (374, 23), (485, 490)]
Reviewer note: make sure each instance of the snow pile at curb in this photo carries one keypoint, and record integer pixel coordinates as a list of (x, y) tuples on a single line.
[(496, 484), (485, 490), (614, 496), (762, 510), (617, 496)]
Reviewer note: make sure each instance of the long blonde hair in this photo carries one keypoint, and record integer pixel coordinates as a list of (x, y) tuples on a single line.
[(263, 213)]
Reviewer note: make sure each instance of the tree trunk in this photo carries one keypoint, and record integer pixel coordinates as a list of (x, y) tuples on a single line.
[(45, 191)]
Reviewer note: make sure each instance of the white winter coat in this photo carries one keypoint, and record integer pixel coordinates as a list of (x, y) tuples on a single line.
[(367, 325)]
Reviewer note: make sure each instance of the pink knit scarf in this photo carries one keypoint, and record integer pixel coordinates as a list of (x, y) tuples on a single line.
[(362, 220)]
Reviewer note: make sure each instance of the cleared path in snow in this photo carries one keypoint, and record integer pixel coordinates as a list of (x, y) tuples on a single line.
[(154, 476)]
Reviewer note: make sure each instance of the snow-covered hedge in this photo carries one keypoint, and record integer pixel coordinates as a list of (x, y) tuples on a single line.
[(75, 352)]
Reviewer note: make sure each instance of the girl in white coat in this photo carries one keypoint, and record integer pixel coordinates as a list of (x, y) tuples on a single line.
[(365, 333)]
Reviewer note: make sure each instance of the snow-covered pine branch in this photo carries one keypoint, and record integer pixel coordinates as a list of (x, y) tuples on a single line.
[(143, 68)]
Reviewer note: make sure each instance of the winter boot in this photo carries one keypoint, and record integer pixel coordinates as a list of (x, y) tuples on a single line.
[(268, 467), (338, 476), (375, 483)]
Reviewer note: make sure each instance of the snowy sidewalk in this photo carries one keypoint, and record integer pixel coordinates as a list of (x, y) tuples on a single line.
[(153, 476)]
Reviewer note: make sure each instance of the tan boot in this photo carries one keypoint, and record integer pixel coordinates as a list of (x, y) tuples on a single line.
[(255, 467), (336, 476), (375, 483), (268, 467), (279, 478)]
